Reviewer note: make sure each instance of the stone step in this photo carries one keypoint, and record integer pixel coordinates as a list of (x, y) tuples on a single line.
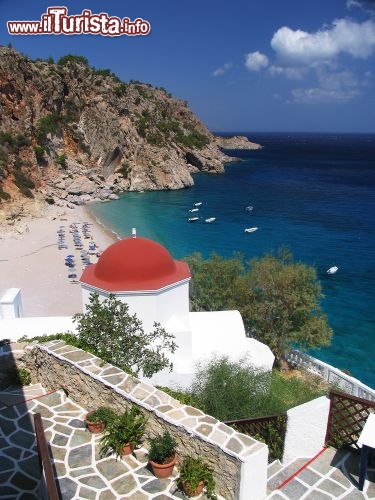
[(273, 468), (284, 473)]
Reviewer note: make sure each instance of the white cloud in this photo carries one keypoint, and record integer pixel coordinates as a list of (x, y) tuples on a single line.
[(295, 47), (320, 95), (365, 5), (223, 69), (255, 61), (293, 72)]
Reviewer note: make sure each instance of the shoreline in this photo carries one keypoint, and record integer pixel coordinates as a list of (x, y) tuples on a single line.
[(31, 260)]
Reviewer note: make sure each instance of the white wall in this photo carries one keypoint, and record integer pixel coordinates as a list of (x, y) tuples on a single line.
[(151, 306), (11, 304), (306, 429), (253, 484), (13, 329), (333, 375)]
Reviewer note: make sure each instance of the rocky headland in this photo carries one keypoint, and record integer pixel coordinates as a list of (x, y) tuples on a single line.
[(70, 134)]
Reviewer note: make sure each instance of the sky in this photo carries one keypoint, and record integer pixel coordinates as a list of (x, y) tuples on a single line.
[(242, 65)]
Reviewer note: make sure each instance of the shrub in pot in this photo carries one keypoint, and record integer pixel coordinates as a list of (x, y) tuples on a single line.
[(97, 420), (123, 433), (162, 454), (195, 476)]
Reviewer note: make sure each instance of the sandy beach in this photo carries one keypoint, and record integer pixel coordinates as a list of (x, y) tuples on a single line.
[(32, 261)]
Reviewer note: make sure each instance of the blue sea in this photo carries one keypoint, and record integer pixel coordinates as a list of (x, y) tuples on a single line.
[(313, 193)]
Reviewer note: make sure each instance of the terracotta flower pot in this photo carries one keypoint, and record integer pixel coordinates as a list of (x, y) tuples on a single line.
[(128, 449), (94, 427), (192, 493), (162, 471)]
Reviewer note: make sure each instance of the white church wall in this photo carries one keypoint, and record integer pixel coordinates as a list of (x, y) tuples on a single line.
[(151, 306), (174, 301)]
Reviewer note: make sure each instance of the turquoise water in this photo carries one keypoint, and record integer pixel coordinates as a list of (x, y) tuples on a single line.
[(312, 193)]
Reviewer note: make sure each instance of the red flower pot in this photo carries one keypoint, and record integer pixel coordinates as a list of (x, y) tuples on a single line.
[(94, 427), (162, 471), (127, 449)]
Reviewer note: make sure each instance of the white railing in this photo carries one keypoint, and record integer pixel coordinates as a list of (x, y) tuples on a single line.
[(331, 374)]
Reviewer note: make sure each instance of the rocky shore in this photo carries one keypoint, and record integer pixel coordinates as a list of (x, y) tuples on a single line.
[(71, 134)]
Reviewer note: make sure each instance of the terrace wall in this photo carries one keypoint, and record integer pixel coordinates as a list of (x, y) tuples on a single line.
[(332, 375), (238, 461)]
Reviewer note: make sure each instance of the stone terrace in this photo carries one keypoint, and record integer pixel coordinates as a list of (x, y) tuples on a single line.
[(66, 370), (81, 472)]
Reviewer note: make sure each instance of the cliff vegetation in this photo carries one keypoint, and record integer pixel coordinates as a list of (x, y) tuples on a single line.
[(71, 133)]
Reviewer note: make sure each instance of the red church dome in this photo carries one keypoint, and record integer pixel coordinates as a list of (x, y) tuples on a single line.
[(135, 264)]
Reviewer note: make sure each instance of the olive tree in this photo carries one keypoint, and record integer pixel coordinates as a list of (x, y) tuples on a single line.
[(281, 305), (215, 281), (108, 330), (279, 299)]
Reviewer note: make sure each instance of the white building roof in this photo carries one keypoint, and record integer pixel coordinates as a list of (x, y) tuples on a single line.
[(222, 333)]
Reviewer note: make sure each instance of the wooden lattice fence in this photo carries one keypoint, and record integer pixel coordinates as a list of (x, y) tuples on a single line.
[(347, 416), (271, 430)]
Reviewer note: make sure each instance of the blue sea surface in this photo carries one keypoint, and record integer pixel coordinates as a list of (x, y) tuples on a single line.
[(313, 193)]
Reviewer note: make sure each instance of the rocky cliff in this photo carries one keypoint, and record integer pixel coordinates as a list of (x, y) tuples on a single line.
[(70, 133)]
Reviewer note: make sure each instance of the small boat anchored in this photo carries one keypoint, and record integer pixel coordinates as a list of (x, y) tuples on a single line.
[(249, 208), (210, 219), (198, 204), (193, 219), (250, 229), (332, 270), (194, 210)]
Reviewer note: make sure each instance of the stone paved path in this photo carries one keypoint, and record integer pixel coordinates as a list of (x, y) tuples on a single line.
[(334, 474), (82, 473)]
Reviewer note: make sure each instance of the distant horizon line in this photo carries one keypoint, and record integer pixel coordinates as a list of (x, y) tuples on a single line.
[(249, 132)]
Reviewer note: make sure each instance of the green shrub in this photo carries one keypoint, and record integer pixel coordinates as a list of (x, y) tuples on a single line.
[(101, 414), (61, 160), (234, 390), (184, 397), (118, 337), (72, 58), (162, 448), (19, 376), (126, 428), (47, 125), (103, 72), (23, 182), (192, 472), (120, 89), (4, 195), (124, 169), (39, 153), (274, 440)]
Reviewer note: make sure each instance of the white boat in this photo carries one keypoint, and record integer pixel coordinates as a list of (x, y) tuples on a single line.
[(249, 208), (211, 219), (193, 219), (198, 204), (250, 229), (332, 270), (194, 210)]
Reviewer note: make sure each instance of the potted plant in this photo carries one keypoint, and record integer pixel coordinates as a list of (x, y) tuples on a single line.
[(196, 475), (123, 433), (162, 455), (97, 420)]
